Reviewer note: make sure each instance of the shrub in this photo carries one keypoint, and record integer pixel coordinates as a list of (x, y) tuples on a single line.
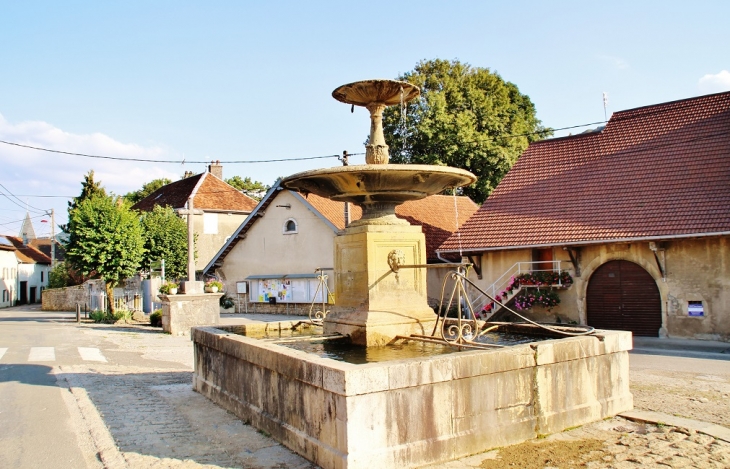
[(122, 315), (156, 318), (98, 315)]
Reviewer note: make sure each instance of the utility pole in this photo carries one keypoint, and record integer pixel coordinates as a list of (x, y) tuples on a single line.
[(53, 239)]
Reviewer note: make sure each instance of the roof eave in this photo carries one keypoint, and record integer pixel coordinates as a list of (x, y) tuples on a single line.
[(585, 243)]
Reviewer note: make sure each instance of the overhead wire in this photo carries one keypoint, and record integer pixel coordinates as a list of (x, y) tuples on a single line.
[(183, 161), (277, 160)]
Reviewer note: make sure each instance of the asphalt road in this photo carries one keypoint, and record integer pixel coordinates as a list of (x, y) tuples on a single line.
[(36, 427)]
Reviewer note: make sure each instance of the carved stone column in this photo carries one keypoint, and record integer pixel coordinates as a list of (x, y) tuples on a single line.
[(376, 152)]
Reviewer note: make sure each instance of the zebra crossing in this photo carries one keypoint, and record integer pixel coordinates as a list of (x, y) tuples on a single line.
[(48, 354)]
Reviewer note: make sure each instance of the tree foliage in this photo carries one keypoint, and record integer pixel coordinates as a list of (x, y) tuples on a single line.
[(254, 189), (165, 237), (148, 188), (89, 188), (105, 240), (467, 117)]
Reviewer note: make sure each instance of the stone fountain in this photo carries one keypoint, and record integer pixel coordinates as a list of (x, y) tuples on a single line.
[(375, 304), (411, 411)]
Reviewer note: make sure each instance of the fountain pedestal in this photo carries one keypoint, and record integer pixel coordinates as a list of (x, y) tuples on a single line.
[(373, 303)]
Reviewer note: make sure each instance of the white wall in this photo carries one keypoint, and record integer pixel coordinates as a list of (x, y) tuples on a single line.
[(8, 278), (36, 275), (268, 250)]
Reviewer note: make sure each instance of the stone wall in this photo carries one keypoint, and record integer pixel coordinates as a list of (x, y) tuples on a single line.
[(411, 412), (695, 269), (65, 299), (293, 309)]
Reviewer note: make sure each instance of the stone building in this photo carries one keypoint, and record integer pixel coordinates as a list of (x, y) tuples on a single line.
[(637, 211)]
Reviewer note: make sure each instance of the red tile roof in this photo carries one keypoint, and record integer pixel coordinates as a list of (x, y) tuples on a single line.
[(209, 193), (27, 254), (652, 172)]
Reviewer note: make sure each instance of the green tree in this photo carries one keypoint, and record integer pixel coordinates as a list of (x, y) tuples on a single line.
[(135, 196), (467, 117), (105, 240), (89, 187), (59, 276), (253, 189), (165, 237)]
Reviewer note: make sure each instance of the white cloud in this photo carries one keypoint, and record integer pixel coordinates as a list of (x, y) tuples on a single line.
[(33, 172), (715, 83)]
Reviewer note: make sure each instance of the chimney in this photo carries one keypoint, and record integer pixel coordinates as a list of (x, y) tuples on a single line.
[(216, 169)]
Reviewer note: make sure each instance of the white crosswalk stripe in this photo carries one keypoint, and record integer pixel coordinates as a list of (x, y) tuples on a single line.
[(42, 354), (2, 352), (91, 354)]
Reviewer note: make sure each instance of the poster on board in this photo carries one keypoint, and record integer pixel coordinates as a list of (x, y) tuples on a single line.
[(275, 288)]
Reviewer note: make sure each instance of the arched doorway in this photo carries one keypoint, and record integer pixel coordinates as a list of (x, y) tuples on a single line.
[(622, 295)]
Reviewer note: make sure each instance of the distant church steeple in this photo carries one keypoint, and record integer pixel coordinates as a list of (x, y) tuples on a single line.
[(26, 231)]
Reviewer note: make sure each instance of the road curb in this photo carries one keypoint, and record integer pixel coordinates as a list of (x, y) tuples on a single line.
[(716, 431), (94, 426)]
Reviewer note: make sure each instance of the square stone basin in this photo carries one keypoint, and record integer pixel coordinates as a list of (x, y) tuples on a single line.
[(415, 411)]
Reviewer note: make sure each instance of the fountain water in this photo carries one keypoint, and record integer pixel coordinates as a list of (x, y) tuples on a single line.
[(412, 411)]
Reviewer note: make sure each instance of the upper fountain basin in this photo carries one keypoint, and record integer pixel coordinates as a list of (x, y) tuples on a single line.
[(388, 92), (391, 183)]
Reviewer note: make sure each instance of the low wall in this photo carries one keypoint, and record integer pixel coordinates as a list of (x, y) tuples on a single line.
[(412, 412), (64, 299)]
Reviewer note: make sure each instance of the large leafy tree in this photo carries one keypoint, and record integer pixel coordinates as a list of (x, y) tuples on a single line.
[(105, 240), (165, 237), (148, 188), (89, 188), (467, 117), (254, 189)]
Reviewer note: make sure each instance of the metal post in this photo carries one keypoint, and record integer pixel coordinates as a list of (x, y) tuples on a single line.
[(78, 312)]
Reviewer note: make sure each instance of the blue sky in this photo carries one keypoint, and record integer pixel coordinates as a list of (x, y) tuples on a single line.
[(239, 81)]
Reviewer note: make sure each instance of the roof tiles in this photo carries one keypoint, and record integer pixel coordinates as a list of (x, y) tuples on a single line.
[(209, 193), (655, 171)]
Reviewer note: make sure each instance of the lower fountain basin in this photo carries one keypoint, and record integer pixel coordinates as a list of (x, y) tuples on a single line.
[(416, 411)]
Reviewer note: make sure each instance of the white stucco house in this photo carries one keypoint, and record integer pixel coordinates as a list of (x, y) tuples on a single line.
[(24, 272)]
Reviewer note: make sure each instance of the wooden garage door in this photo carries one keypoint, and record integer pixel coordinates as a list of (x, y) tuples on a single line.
[(622, 295)]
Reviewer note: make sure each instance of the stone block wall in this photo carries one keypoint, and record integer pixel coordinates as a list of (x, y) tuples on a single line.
[(65, 299)]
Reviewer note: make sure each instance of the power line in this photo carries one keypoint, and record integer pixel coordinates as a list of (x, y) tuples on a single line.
[(279, 160), (21, 221), (26, 204), (16, 203), (183, 161), (54, 196)]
